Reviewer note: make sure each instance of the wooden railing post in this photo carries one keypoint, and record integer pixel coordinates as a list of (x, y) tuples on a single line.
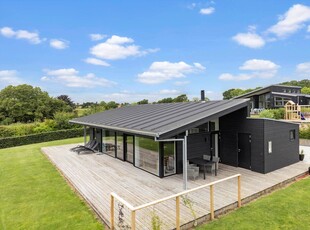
[(239, 191), (112, 212), (133, 220), (212, 201), (177, 209)]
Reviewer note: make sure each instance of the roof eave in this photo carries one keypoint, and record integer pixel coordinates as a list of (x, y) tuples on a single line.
[(126, 130)]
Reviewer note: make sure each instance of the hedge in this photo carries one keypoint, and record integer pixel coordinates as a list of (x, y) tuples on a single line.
[(40, 137)]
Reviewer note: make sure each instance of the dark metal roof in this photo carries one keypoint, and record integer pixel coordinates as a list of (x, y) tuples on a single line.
[(263, 90), (161, 120), (291, 94)]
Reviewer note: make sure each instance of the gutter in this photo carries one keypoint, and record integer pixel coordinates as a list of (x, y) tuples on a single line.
[(143, 133)]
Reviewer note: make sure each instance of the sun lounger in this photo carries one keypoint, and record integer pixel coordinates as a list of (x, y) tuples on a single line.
[(90, 149), (79, 147)]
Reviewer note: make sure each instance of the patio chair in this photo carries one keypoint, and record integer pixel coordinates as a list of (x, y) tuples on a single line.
[(212, 167), (87, 145), (90, 149), (192, 171), (206, 157)]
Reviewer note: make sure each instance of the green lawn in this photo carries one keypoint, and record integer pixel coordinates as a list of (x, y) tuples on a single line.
[(288, 208), (33, 195)]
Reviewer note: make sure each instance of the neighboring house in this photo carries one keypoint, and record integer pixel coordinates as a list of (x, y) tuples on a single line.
[(275, 96), (159, 138)]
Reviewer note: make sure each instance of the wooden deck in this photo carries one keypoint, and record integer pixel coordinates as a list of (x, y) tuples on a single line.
[(96, 176)]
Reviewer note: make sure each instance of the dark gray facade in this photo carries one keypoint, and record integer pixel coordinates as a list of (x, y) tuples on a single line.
[(284, 151), (215, 128), (275, 96)]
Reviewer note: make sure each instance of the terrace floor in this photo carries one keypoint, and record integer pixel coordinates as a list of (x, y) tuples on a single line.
[(96, 176)]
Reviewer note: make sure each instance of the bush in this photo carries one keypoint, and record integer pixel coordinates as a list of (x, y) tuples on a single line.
[(304, 133), (266, 114), (62, 120), (38, 138), (273, 113), (279, 113)]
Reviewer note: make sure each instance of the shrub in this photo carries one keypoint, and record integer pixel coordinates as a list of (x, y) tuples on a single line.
[(279, 113), (304, 133), (273, 113), (38, 138), (62, 120), (266, 114)]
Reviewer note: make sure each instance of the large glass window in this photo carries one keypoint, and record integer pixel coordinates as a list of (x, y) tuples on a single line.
[(120, 145), (169, 158), (280, 101), (147, 154), (108, 142)]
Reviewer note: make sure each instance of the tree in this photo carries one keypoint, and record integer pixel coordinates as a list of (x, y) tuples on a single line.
[(144, 101), (111, 105), (181, 98), (67, 100), (165, 100), (228, 94), (305, 90), (25, 103)]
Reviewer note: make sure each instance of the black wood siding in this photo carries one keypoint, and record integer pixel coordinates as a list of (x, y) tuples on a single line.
[(198, 144), (284, 150), (230, 126)]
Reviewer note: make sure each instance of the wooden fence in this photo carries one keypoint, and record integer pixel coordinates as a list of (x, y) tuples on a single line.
[(177, 197)]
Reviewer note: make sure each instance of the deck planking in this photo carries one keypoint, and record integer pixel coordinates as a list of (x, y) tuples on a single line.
[(96, 176)]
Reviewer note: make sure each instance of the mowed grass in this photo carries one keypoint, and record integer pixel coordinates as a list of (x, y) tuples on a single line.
[(288, 208), (33, 195)]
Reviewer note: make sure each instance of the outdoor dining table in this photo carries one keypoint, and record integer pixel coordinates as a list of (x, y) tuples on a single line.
[(204, 163)]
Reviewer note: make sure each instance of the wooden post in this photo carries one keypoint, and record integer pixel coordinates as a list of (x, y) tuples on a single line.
[(177, 209), (112, 212), (211, 201), (133, 220), (239, 191)]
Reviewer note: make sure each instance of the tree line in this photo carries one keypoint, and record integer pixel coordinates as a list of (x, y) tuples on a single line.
[(28, 104)]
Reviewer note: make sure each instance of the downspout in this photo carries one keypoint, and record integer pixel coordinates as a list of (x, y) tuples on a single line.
[(184, 144)]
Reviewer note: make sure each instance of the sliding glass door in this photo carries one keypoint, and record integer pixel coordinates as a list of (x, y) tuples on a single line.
[(129, 148), (169, 158)]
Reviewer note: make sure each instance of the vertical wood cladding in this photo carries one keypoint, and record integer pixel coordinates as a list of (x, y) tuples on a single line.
[(284, 150), (198, 145), (230, 126)]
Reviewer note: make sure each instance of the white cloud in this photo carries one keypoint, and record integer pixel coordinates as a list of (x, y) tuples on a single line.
[(9, 77), (59, 44), (60, 72), (258, 69), (160, 72), (199, 66), (231, 77), (32, 37), (117, 47), (292, 21), (170, 92), (250, 39), (180, 83), (259, 64), (303, 68), (95, 61), (97, 37), (207, 11), (70, 77)]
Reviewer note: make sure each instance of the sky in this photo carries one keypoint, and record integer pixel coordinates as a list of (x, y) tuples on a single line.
[(127, 51)]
